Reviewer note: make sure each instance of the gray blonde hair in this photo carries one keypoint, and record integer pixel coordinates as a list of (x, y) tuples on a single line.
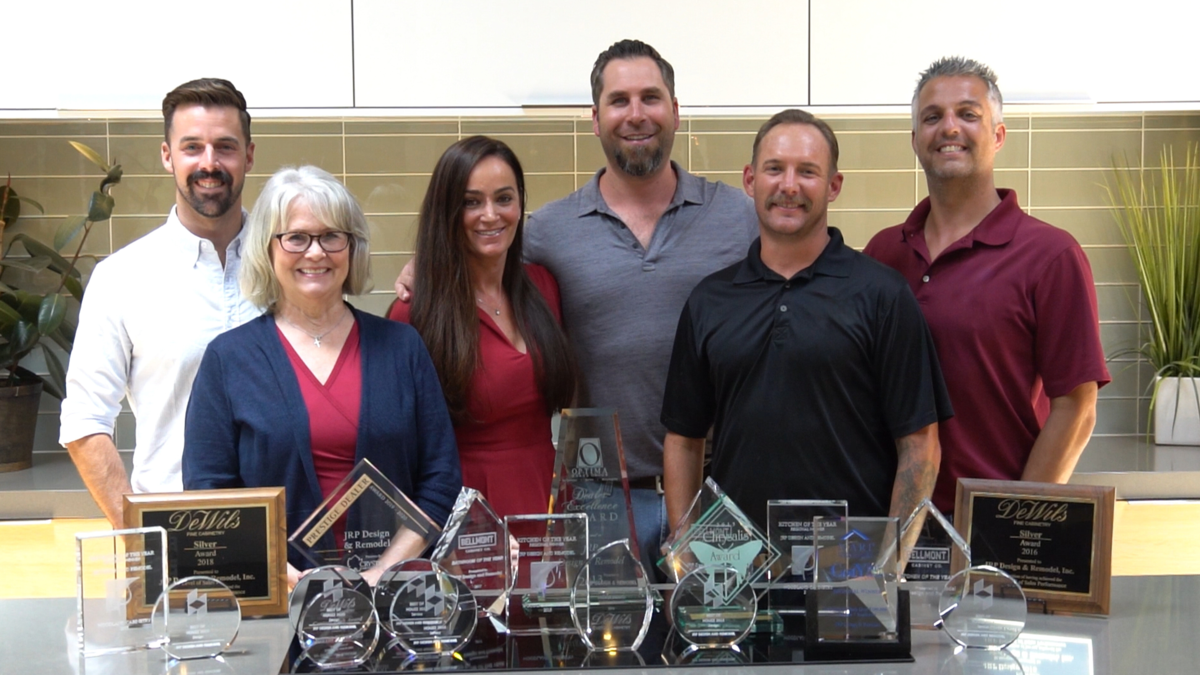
[(331, 204), (952, 66)]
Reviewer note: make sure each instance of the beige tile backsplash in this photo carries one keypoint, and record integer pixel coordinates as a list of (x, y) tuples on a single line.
[(1057, 164)]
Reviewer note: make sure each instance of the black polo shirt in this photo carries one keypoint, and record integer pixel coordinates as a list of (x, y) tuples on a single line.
[(806, 381)]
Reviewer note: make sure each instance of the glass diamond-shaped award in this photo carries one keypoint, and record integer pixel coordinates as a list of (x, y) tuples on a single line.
[(119, 574), (856, 597), (714, 531), (472, 548), (196, 617), (365, 522), (712, 606), (929, 564), (790, 529), (551, 551), (983, 607), (590, 476), (611, 600)]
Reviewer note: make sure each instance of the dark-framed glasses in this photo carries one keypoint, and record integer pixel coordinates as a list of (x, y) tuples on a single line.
[(299, 242)]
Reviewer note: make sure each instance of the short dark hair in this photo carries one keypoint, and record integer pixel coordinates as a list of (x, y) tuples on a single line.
[(207, 92), (629, 49), (797, 116), (954, 66)]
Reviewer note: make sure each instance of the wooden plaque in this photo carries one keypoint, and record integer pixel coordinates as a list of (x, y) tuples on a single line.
[(1055, 540), (237, 536)]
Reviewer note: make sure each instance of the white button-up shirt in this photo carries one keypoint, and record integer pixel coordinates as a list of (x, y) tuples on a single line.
[(148, 314)]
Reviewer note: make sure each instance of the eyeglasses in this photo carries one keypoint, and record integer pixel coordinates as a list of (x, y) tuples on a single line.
[(299, 242)]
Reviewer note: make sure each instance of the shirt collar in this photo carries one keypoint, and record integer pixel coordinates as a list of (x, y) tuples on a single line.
[(689, 189), (996, 229), (837, 260), (191, 248)]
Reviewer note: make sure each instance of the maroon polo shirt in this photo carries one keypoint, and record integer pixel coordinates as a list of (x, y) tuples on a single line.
[(1012, 309)]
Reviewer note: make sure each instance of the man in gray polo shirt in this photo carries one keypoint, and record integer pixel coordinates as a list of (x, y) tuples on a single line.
[(627, 249)]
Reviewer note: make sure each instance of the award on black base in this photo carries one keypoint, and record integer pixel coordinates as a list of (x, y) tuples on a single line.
[(114, 572), (551, 551), (930, 562), (366, 522), (712, 607), (472, 549), (611, 600), (790, 530), (983, 607), (590, 476), (334, 617), (196, 617), (428, 611)]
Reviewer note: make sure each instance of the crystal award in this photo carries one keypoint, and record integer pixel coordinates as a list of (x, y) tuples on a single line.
[(790, 530), (590, 476), (119, 574), (929, 564), (196, 617), (472, 548), (365, 522), (983, 607), (715, 531), (713, 607), (611, 600), (856, 598), (551, 551), (428, 611), (334, 617)]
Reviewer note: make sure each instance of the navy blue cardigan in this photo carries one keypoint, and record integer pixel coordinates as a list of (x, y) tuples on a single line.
[(247, 425)]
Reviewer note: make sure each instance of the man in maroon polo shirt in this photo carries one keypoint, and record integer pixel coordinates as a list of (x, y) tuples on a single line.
[(1009, 299)]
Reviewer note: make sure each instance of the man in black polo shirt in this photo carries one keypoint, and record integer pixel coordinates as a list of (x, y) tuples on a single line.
[(811, 362)]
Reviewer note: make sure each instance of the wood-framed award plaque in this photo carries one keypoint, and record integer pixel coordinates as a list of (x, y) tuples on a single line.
[(1055, 540), (237, 536)]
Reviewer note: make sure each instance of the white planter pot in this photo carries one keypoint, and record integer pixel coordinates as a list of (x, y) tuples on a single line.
[(1177, 411)]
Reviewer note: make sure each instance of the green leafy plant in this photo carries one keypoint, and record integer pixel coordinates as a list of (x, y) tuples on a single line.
[(36, 281)]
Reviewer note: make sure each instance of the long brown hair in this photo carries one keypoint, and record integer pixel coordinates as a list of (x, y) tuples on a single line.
[(443, 308)]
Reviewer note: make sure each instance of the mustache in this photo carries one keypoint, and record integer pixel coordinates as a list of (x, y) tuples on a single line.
[(789, 203), (202, 174)]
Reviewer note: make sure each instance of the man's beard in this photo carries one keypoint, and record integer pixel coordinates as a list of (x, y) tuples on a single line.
[(212, 206), (641, 162)]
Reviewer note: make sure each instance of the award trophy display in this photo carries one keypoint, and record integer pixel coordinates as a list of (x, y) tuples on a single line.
[(196, 617), (856, 610), (118, 576), (473, 550), (365, 522), (611, 600), (334, 617), (429, 612), (590, 476), (714, 531), (929, 564), (983, 607), (551, 551), (713, 607), (790, 530)]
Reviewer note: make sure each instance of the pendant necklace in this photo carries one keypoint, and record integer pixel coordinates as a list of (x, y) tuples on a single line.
[(316, 338), (485, 307)]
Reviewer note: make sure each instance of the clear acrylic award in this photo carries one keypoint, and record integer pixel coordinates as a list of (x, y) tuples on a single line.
[(366, 522), (714, 531), (334, 617), (551, 551), (428, 611), (611, 600), (790, 530), (473, 549), (713, 607), (857, 598), (983, 607), (196, 617), (590, 476), (119, 574), (929, 565)]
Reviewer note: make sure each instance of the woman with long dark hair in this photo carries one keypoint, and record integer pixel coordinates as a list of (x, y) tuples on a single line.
[(491, 324)]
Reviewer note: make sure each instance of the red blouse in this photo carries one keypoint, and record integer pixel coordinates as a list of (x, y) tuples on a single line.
[(506, 453)]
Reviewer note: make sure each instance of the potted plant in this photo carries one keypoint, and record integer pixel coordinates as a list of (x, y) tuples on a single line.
[(1158, 213), (36, 282)]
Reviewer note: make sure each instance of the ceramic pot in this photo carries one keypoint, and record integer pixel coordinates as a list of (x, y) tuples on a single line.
[(1177, 411)]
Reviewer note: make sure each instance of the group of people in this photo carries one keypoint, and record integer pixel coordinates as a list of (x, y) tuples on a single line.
[(734, 331)]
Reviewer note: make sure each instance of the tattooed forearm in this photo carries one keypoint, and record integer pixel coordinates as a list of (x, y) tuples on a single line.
[(916, 472)]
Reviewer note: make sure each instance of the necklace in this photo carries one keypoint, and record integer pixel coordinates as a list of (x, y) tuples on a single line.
[(316, 338), (496, 310)]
